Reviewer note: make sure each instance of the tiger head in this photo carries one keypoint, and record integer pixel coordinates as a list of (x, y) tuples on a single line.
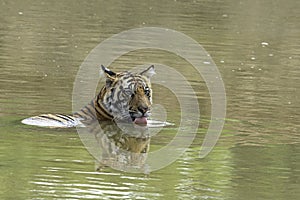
[(127, 96)]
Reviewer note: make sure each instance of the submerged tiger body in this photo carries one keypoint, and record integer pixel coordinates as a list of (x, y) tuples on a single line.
[(125, 97)]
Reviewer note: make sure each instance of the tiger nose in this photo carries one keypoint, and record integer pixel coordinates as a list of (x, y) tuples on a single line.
[(143, 109)]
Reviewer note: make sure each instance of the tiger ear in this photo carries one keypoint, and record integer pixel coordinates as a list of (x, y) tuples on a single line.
[(149, 72), (108, 72), (110, 75)]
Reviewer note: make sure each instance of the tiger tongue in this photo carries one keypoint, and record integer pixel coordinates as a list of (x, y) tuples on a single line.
[(140, 120)]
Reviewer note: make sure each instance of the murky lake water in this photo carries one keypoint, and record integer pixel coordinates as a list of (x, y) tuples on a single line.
[(255, 45)]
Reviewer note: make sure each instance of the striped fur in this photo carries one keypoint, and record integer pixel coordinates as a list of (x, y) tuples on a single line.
[(125, 97)]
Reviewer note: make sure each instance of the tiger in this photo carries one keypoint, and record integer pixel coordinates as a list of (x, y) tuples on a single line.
[(125, 97)]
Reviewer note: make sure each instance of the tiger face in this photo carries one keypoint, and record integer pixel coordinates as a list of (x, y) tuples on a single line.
[(128, 96)]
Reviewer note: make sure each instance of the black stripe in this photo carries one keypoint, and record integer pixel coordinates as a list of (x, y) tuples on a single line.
[(66, 117), (51, 118), (104, 112), (130, 85), (85, 111), (91, 109), (97, 105), (119, 94), (127, 77), (82, 113)]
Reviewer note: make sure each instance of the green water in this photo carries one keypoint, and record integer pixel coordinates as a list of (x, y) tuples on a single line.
[(43, 43)]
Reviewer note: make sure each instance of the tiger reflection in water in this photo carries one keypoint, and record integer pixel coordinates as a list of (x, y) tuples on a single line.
[(120, 146)]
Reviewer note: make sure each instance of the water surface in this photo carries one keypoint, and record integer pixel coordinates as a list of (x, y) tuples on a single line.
[(255, 45)]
